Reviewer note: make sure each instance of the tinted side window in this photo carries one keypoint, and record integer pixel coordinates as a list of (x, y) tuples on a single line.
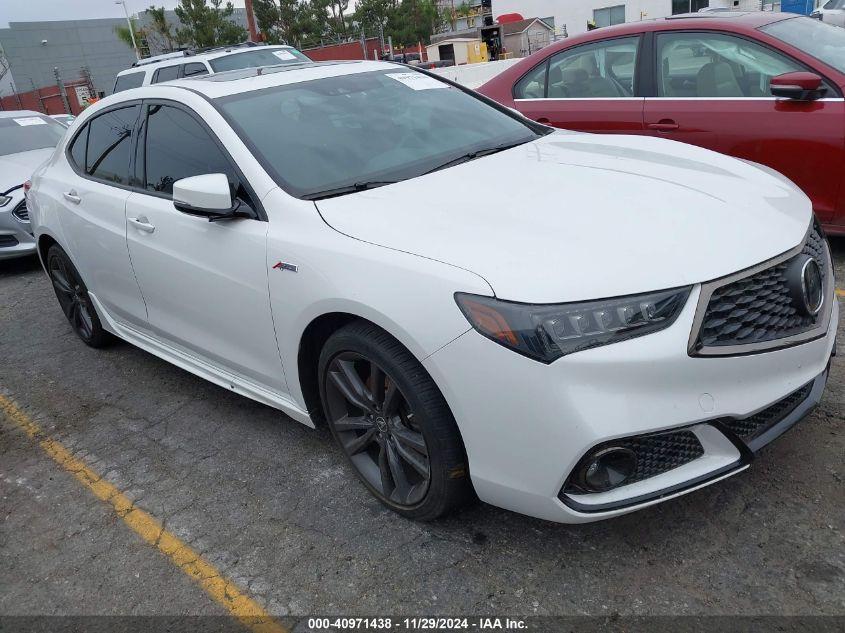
[(109, 142), (533, 85), (177, 147), (194, 69), (166, 74), (716, 65), (77, 150), (594, 71), (130, 80)]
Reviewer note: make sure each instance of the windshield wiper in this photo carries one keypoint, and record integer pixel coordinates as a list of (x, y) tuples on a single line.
[(463, 158), (345, 189)]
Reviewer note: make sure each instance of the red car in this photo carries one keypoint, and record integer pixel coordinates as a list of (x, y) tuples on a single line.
[(766, 87)]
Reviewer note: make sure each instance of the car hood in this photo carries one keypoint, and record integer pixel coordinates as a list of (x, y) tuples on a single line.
[(15, 169), (575, 216)]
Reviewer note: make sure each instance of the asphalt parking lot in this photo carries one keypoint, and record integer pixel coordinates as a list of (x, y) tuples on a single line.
[(270, 504)]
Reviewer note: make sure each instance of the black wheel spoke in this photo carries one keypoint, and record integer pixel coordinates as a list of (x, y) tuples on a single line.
[(61, 283), (361, 442), (391, 399), (410, 439), (412, 458), (85, 321), (353, 423), (401, 487), (384, 470), (349, 383), (376, 384)]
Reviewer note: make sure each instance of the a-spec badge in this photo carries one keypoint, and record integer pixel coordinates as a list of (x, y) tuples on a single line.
[(285, 266)]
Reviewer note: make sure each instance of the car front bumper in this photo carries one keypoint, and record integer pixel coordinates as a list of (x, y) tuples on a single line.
[(526, 425), (16, 238)]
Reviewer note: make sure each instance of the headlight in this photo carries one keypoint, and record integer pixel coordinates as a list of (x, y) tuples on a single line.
[(547, 332), (4, 200)]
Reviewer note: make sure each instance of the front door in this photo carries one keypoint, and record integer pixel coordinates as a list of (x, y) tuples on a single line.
[(205, 283), (713, 91), (589, 88)]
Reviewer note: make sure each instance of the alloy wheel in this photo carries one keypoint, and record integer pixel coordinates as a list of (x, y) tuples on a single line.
[(73, 297), (375, 425)]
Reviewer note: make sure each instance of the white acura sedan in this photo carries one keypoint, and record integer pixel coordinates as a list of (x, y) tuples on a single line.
[(570, 326)]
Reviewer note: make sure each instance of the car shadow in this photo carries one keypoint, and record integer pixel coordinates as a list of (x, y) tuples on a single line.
[(19, 265)]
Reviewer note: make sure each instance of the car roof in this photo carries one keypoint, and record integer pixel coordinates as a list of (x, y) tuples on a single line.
[(248, 79), (6, 114), (199, 57), (736, 21)]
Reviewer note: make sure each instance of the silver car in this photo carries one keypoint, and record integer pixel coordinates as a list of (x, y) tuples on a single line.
[(27, 139)]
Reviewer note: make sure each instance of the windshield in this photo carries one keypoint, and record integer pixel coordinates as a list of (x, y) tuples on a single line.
[(27, 132), (823, 41), (380, 126), (256, 58)]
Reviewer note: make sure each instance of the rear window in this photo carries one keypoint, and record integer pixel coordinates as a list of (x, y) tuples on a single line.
[(166, 74), (260, 57), (28, 132), (129, 80), (109, 141)]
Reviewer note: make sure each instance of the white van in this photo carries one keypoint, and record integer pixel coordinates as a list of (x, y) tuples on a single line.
[(171, 66)]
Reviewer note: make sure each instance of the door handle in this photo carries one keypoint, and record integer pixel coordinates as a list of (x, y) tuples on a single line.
[(664, 125), (142, 224), (72, 196)]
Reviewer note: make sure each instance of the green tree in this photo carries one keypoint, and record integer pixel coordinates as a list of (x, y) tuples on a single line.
[(207, 24), (125, 35), (160, 32)]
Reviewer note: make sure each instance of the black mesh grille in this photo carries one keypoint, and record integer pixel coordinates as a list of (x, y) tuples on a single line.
[(749, 428), (8, 240), (656, 453), (759, 308)]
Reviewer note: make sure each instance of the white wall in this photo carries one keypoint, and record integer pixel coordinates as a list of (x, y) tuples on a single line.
[(575, 13)]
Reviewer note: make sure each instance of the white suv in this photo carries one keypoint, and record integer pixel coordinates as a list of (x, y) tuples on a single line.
[(184, 64), (573, 325)]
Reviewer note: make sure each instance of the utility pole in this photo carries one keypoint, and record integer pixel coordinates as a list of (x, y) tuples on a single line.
[(131, 29), (250, 21)]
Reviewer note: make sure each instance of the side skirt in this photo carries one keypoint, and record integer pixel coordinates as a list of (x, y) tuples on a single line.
[(202, 368)]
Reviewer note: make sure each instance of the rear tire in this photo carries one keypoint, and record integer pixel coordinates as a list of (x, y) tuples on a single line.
[(392, 423), (74, 299)]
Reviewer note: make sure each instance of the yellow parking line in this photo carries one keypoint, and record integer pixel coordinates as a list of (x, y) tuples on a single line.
[(150, 529), (840, 292)]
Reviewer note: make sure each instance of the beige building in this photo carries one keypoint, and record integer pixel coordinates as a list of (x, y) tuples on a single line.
[(526, 36)]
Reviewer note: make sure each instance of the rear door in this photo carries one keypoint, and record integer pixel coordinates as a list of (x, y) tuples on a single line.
[(92, 189), (712, 90), (591, 88)]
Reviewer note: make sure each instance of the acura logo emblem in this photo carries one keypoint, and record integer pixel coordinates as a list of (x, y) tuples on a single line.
[(804, 280)]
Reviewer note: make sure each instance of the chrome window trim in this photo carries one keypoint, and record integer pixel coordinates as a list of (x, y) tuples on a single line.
[(708, 288)]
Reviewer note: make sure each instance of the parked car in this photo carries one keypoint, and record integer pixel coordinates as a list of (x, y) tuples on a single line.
[(64, 119), (27, 139), (832, 12), (182, 64), (582, 342), (765, 87)]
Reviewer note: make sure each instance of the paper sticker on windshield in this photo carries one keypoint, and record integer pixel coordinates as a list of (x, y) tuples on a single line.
[(30, 120), (418, 81), (284, 54)]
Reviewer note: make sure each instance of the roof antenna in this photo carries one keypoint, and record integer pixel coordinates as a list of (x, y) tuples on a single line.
[(259, 69)]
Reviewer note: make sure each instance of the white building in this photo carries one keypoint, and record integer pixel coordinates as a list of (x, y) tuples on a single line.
[(572, 16)]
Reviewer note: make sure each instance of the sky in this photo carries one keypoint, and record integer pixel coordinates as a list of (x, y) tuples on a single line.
[(37, 10)]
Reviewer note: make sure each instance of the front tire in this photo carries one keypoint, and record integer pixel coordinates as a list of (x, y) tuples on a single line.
[(392, 423), (74, 300)]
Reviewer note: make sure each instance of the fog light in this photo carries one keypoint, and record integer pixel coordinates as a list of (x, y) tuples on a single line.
[(607, 469)]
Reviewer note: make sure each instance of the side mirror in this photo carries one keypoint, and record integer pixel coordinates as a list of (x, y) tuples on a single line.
[(208, 196), (799, 86)]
